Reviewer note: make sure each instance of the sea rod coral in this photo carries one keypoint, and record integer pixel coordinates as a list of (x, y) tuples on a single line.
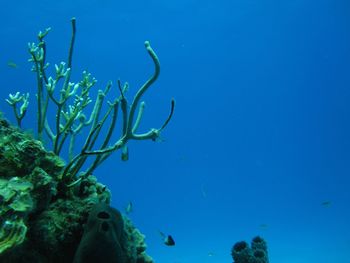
[(71, 101), (44, 201)]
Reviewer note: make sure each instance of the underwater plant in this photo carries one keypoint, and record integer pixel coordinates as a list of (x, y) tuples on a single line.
[(50, 211), (71, 101)]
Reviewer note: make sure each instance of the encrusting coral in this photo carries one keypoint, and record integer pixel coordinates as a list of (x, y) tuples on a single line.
[(45, 202)]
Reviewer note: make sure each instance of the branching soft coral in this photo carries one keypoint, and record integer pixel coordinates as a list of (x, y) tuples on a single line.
[(71, 101)]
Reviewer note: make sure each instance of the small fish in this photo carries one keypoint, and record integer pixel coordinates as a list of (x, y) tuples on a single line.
[(211, 254), (129, 208), (12, 64), (167, 239), (263, 226), (326, 203), (203, 191), (182, 159)]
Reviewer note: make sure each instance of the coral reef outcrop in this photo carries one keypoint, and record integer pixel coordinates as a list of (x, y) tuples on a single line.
[(40, 219)]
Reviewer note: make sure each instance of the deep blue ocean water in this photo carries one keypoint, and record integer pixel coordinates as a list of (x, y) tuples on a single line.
[(260, 140)]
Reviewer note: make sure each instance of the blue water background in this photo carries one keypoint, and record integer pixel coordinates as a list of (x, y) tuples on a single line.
[(261, 133)]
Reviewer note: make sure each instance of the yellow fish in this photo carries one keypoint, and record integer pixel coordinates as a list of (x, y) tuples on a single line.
[(12, 64)]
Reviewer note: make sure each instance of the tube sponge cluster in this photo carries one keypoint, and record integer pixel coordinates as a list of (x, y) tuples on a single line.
[(256, 253)]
